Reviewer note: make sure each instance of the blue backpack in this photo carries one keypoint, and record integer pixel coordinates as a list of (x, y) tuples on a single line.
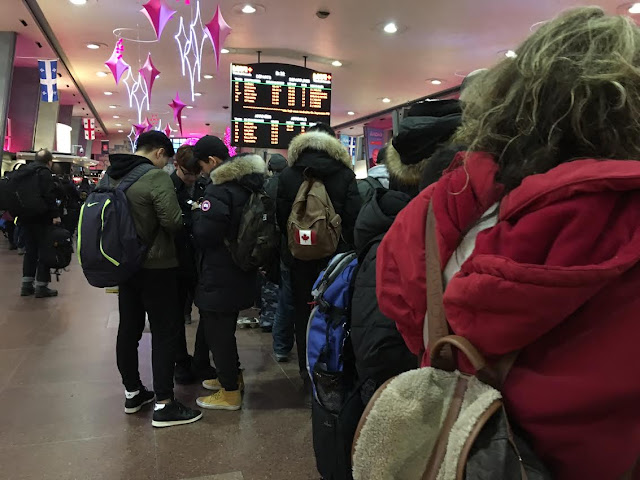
[(109, 249), (328, 332)]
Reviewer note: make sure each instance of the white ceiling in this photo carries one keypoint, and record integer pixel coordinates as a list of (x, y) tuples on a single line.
[(443, 40)]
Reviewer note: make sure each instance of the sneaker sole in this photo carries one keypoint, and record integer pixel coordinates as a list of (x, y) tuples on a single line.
[(139, 407), (27, 294), (211, 389), (218, 407), (174, 423)]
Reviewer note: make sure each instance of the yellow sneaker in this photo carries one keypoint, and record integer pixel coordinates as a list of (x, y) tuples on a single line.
[(214, 384), (221, 400)]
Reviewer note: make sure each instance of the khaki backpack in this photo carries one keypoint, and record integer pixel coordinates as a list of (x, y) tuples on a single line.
[(314, 228)]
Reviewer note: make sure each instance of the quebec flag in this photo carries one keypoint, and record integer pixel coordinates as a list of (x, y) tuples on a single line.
[(48, 80)]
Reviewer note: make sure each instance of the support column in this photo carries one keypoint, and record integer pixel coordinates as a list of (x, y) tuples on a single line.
[(45, 136), (7, 53), (23, 107)]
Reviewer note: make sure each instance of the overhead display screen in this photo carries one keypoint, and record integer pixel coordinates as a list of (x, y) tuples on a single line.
[(273, 102)]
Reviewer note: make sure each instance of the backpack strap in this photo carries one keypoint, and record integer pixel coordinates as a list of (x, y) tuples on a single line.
[(134, 175)]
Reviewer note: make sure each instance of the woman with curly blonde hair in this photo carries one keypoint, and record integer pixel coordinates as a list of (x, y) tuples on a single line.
[(549, 194)]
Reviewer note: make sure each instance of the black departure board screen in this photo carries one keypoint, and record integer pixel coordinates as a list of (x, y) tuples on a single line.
[(273, 102)]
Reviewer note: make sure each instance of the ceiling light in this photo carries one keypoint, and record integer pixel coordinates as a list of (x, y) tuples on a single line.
[(248, 9), (336, 63), (197, 94), (93, 46), (435, 81), (116, 116), (118, 124), (386, 100), (189, 106), (78, 2), (224, 50), (208, 77), (184, 116), (108, 93), (120, 131), (635, 8), (351, 113), (510, 54), (390, 28), (113, 106), (101, 74)]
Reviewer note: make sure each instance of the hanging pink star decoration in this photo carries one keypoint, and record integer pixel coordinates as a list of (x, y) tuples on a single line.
[(149, 73), (115, 63), (139, 128), (158, 13), (177, 105), (227, 142), (148, 125), (168, 130), (218, 31), (186, 2)]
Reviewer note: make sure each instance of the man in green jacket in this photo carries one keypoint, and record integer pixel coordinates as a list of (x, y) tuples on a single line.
[(153, 290)]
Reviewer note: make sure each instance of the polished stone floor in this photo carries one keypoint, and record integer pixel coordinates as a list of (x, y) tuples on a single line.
[(61, 400)]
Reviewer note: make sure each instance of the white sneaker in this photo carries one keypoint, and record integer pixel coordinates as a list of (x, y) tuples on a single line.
[(248, 322)]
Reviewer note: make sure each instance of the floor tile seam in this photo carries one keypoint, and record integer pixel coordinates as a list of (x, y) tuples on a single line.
[(57, 442), (15, 369)]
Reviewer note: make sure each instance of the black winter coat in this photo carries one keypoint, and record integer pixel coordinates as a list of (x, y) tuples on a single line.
[(185, 250), (47, 189), (380, 351), (222, 285), (325, 158)]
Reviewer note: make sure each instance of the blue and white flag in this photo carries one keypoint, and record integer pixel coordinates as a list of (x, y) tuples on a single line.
[(48, 80)]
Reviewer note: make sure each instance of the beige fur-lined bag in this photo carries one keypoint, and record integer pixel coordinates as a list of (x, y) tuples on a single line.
[(436, 423)]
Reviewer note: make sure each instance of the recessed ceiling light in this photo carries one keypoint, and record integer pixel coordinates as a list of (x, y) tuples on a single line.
[(101, 74), (435, 81), (351, 113), (108, 93), (78, 2), (113, 106), (224, 50), (336, 63), (208, 77), (93, 46), (189, 106), (635, 8), (510, 54), (390, 27), (116, 116), (120, 131), (386, 100), (184, 116), (118, 124), (248, 9), (197, 94)]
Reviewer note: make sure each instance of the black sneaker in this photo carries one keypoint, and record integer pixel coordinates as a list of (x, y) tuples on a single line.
[(136, 402), (27, 290), (174, 413), (45, 292)]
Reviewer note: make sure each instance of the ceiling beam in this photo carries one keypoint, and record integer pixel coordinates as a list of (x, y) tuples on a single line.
[(45, 28)]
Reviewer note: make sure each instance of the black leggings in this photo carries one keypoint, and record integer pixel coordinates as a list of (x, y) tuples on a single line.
[(220, 333)]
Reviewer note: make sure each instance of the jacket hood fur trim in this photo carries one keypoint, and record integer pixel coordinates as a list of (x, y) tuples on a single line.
[(318, 141), (239, 167), (403, 173)]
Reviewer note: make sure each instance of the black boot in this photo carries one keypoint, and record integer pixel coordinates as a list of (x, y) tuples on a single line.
[(27, 289), (45, 292)]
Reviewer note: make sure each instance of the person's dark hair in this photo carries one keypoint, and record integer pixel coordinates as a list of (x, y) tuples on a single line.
[(185, 159), (43, 156), (572, 91), (154, 140), (438, 163), (324, 128)]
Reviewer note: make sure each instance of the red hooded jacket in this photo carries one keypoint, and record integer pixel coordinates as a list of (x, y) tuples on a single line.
[(559, 278)]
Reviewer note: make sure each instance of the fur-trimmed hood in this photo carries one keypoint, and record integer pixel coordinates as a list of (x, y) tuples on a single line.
[(319, 142), (406, 174), (238, 167)]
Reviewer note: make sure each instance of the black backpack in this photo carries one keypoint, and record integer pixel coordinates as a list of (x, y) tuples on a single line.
[(56, 250), (258, 238), (22, 193), (109, 249), (367, 188)]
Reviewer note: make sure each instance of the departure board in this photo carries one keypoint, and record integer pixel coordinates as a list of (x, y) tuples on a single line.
[(273, 102)]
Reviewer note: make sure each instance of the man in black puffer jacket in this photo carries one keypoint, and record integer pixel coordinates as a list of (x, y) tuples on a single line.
[(324, 157), (223, 288)]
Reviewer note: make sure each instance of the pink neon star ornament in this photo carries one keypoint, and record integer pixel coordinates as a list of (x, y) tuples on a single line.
[(139, 128), (158, 13), (218, 31), (115, 63), (148, 125), (149, 73), (177, 106), (168, 130)]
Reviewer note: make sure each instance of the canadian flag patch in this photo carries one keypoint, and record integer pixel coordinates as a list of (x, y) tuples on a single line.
[(306, 237)]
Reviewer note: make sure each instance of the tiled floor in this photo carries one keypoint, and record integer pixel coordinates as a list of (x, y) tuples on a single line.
[(61, 400)]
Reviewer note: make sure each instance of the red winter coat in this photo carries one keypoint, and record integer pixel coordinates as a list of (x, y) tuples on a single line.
[(559, 278)]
